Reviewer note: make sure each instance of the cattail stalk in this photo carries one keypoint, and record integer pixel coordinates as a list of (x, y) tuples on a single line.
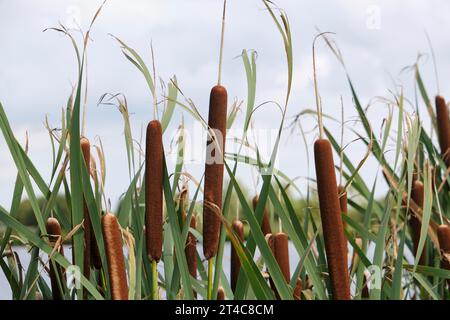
[(443, 126), (330, 211), (417, 195), (238, 228), (154, 190), (114, 254), (56, 271), (443, 232), (265, 224)]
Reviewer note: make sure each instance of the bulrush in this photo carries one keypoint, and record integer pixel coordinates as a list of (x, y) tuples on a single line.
[(56, 272), (443, 126), (235, 265), (220, 294), (86, 150), (212, 206), (330, 212), (154, 190), (298, 290), (191, 242), (265, 224), (444, 243), (115, 257), (417, 195), (279, 244)]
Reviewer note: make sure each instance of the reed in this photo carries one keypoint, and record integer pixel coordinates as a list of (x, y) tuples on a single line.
[(154, 190), (235, 264), (443, 128), (417, 195), (265, 224), (56, 271), (114, 254), (330, 212)]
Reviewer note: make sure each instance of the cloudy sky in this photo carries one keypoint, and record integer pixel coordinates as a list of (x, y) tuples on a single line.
[(38, 69)]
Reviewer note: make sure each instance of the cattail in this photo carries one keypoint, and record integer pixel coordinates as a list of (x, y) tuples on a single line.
[(278, 243), (86, 150), (443, 126), (56, 272), (115, 257), (214, 171), (191, 250), (238, 228), (417, 195), (281, 253), (153, 190), (298, 290), (443, 232), (335, 243), (220, 294), (265, 224)]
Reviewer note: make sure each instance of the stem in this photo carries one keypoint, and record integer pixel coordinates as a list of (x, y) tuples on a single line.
[(210, 278), (154, 280), (222, 35)]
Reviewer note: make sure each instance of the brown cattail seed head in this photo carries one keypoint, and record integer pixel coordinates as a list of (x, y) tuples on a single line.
[(154, 190), (191, 249), (115, 257), (443, 126), (53, 229), (238, 228), (265, 224), (86, 151), (220, 294), (298, 290), (281, 252), (212, 206), (335, 242), (417, 195)]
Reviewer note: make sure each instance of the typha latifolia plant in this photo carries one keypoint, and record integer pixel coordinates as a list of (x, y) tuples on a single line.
[(215, 148), (116, 260), (330, 210)]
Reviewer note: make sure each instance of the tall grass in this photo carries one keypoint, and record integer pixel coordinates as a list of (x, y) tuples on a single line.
[(158, 221)]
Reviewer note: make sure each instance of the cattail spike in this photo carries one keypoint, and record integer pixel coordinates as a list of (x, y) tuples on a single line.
[(154, 190), (115, 257), (443, 126), (56, 272), (220, 294), (212, 204), (335, 243), (238, 228), (417, 195), (265, 224), (443, 232), (86, 151)]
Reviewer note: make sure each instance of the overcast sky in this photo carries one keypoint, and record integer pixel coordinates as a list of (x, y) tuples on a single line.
[(38, 69)]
